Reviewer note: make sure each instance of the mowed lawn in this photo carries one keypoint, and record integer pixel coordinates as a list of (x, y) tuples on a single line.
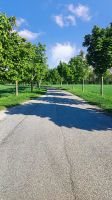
[(8, 98), (92, 95)]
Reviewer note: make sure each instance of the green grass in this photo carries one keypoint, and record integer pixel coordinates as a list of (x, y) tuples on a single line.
[(92, 95), (8, 98)]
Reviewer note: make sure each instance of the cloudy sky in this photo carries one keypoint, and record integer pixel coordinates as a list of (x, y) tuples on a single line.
[(60, 24)]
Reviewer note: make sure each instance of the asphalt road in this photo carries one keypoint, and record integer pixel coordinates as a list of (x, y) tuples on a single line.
[(57, 147)]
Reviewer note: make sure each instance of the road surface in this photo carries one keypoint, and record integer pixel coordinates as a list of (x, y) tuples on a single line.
[(57, 147)]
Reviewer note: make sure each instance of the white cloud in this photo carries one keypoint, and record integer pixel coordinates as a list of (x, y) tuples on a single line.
[(28, 34), (21, 21), (70, 20), (62, 52), (64, 21), (59, 20), (81, 11)]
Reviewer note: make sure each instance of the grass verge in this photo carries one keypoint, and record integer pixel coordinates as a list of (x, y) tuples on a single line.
[(8, 98), (92, 95)]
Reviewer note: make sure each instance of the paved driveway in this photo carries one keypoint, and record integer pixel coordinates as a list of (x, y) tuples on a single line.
[(57, 147)]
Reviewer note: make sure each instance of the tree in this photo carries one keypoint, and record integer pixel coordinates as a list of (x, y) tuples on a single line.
[(108, 77), (99, 50), (40, 61), (65, 73), (36, 64), (20, 60), (85, 68), (17, 62), (12, 50), (6, 28), (30, 65), (79, 68), (53, 76), (92, 78)]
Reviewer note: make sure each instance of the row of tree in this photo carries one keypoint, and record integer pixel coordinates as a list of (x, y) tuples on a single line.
[(20, 60), (93, 67), (77, 70), (68, 73)]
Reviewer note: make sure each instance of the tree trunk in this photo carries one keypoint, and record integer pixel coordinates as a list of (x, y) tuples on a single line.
[(101, 86), (16, 88), (31, 86), (83, 85), (39, 83)]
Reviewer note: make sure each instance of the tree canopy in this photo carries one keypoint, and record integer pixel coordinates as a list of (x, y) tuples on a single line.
[(99, 49), (20, 60)]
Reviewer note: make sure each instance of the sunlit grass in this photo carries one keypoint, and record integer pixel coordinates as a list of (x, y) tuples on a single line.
[(92, 94), (8, 98)]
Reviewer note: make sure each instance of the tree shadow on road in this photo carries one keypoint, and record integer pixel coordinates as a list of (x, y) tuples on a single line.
[(58, 100), (60, 93), (69, 115)]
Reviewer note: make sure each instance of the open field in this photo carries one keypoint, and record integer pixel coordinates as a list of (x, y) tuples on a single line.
[(92, 94), (8, 98)]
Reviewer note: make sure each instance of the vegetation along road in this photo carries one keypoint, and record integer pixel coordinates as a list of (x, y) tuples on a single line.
[(57, 147)]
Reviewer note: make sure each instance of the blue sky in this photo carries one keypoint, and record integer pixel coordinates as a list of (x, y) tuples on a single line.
[(60, 24)]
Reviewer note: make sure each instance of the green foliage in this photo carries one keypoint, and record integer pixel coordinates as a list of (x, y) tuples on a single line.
[(99, 49), (53, 77), (35, 63), (40, 61), (19, 60), (6, 27), (74, 72), (79, 68), (65, 72)]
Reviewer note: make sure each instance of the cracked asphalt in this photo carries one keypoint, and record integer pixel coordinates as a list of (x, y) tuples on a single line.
[(57, 147)]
